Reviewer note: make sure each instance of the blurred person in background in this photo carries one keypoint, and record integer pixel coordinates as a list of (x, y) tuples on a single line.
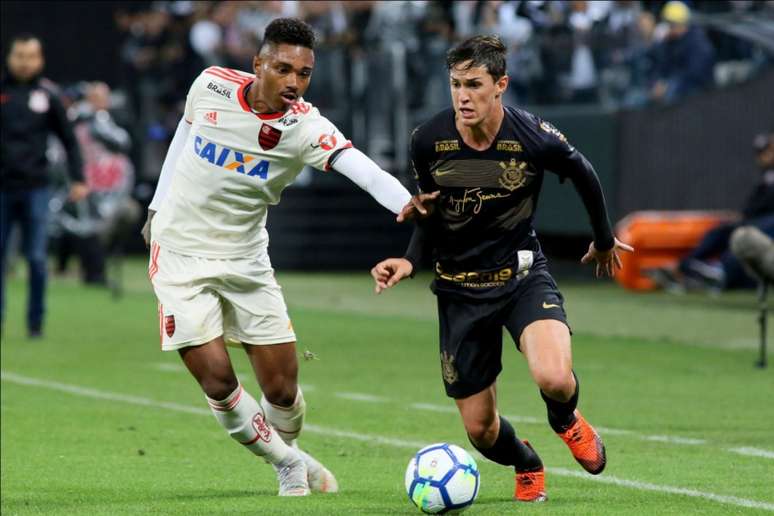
[(31, 111), (684, 61), (712, 265), (95, 229)]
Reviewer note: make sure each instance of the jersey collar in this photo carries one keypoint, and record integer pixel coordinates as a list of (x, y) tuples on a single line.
[(242, 96)]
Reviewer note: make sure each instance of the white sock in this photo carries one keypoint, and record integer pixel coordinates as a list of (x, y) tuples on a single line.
[(286, 420), (244, 420)]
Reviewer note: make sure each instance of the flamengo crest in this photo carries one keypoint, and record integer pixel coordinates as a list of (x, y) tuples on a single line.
[(268, 137)]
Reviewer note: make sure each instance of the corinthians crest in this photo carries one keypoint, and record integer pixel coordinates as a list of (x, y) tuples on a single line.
[(514, 174), (447, 367)]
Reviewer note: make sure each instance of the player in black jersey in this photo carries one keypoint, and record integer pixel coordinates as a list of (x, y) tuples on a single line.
[(485, 163)]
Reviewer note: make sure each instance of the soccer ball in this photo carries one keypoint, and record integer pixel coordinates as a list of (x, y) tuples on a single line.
[(442, 478)]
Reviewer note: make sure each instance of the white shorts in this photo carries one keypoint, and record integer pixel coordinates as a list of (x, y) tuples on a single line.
[(201, 299)]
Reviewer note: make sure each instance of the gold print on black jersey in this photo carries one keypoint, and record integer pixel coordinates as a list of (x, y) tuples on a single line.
[(509, 146), (473, 197), (553, 130), (514, 174), (447, 145)]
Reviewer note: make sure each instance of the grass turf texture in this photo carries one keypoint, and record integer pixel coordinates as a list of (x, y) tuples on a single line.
[(651, 364)]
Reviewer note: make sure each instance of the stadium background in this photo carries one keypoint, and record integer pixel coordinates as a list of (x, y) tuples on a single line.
[(692, 154), (380, 72)]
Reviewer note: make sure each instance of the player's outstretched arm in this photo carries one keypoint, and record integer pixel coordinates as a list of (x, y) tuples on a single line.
[(607, 261), (361, 170), (167, 171), (389, 272), (604, 249)]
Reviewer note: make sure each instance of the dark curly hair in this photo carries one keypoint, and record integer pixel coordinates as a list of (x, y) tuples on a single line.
[(487, 51), (290, 31)]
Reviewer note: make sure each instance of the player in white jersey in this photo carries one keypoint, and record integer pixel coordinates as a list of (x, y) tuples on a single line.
[(242, 140)]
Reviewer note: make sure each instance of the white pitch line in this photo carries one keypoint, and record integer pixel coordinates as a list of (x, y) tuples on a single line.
[(359, 396), (168, 367), (377, 439), (450, 409), (673, 439), (608, 431), (752, 452), (103, 395)]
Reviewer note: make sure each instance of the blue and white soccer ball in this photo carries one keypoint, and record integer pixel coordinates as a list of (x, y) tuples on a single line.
[(442, 478)]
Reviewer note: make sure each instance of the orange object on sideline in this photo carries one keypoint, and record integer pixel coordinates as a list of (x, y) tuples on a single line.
[(660, 239)]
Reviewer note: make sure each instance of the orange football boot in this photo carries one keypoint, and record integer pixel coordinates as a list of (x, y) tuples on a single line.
[(585, 444), (530, 485)]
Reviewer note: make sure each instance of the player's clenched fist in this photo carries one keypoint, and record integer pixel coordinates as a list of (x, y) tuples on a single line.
[(389, 272)]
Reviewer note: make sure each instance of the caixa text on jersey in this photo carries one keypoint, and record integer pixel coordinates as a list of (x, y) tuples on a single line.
[(230, 159)]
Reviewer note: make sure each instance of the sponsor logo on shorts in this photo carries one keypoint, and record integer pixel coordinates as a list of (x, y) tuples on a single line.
[(169, 325), (450, 374), (547, 306), (475, 279), (261, 427)]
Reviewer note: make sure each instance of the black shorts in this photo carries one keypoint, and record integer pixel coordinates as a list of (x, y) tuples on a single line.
[(471, 331)]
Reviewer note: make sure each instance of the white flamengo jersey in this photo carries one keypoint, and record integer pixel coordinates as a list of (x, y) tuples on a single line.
[(234, 165)]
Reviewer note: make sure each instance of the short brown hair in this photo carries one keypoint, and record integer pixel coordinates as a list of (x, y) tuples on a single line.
[(487, 51)]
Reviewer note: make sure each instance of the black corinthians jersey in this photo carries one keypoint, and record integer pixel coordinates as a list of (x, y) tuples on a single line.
[(481, 233)]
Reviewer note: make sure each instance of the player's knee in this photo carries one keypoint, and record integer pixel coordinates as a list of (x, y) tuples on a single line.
[(219, 388), (558, 385), (281, 392)]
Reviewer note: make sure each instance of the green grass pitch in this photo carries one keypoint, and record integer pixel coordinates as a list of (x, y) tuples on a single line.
[(97, 420)]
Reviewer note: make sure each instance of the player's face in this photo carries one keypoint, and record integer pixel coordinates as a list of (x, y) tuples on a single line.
[(284, 72), (25, 60), (475, 93)]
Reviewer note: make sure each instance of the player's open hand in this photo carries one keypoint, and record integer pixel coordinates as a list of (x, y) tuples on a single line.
[(420, 205), (389, 272), (607, 261)]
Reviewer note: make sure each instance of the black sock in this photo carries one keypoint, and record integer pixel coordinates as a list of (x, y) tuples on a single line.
[(561, 414), (508, 450)]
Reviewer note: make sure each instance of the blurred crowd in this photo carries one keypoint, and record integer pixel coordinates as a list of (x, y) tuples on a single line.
[(561, 51), (615, 53)]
